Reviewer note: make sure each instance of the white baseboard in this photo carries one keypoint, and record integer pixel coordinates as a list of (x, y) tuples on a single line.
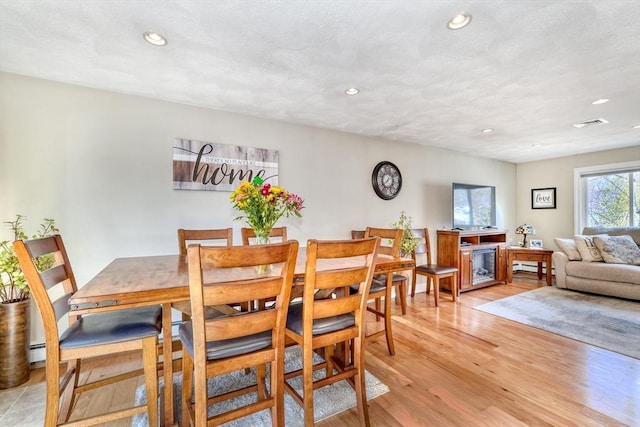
[(532, 268), (37, 353)]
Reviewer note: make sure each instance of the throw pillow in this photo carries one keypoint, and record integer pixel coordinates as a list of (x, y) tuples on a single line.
[(588, 250), (568, 246), (618, 249)]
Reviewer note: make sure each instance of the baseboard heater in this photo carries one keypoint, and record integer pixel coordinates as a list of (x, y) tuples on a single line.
[(37, 352), (532, 268)]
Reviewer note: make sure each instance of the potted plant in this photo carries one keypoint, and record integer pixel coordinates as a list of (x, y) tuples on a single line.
[(409, 242), (14, 305)]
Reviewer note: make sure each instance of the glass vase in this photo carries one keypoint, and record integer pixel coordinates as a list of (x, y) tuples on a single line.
[(262, 238)]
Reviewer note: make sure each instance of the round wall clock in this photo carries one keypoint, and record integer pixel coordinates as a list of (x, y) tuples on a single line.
[(386, 180)]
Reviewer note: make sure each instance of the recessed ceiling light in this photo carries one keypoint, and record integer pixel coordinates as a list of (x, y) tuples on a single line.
[(461, 20), (600, 101), (487, 130), (636, 127), (155, 39), (352, 91), (536, 145)]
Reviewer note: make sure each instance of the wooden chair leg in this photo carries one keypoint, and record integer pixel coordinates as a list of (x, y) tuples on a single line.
[(360, 385), (429, 283), (413, 284), (377, 307), (401, 294), (436, 289), (307, 378), (67, 397), (150, 358), (454, 287), (387, 321), (277, 389), (187, 388)]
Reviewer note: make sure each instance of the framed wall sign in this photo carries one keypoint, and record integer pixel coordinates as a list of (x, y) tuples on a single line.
[(543, 198)]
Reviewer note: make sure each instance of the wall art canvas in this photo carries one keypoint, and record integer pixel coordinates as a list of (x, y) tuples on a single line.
[(210, 166)]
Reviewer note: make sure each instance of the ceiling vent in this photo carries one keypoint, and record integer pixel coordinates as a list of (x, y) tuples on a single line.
[(590, 123)]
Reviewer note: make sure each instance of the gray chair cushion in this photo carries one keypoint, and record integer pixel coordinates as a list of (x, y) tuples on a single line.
[(435, 269), (396, 278), (320, 326), (225, 348), (114, 326)]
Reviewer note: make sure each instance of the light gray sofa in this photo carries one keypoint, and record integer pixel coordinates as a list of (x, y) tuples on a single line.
[(618, 280)]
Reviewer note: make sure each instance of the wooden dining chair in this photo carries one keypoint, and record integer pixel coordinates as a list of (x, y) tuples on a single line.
[(320, 324), (217, 236), (93, 335), (248, 234), (399, 280), (432, 272), (382, 285), (212, 236), (236, 340)]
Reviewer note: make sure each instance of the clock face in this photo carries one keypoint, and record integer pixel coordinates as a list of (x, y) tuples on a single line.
[(386, 180)]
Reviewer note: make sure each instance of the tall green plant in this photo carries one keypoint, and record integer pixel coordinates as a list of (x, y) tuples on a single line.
[(13, 286), (409, 242)]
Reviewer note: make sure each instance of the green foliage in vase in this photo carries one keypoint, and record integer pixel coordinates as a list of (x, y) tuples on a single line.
[(409, 241), (13, 286)]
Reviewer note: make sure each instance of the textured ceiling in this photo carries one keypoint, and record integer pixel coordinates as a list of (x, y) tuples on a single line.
[(528, 69)]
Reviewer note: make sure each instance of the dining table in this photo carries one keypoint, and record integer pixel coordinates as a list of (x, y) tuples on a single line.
[(163, 280)]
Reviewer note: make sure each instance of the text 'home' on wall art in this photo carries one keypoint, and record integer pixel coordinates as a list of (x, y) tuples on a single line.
[(209, 166)]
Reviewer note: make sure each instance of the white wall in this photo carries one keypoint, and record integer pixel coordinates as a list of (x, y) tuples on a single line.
[(100, 163), (558, 173)]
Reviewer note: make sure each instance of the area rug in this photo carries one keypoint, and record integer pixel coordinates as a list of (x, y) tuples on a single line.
[(609, 323), (328, 401)]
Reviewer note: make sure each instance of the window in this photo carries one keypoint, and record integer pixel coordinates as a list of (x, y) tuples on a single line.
[(608, 196)]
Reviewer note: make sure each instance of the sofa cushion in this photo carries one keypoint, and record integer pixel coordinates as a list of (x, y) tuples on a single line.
[(568, 246), (588, 250), (634, 232), (604, 272), (618, 249)]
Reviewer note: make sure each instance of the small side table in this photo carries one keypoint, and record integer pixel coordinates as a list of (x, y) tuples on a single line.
[(538, 255)]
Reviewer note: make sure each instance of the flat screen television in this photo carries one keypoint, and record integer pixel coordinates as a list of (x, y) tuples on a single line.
[(474, 206)]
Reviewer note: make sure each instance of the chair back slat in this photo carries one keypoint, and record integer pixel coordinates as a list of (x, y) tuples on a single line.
[(53, 276), (219, 236), (240, 325), (390, 239), (331, 307), (335, 278), (258, 288), (40, 247)]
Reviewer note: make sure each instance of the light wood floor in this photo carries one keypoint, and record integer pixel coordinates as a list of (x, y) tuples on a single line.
[(456, 366)]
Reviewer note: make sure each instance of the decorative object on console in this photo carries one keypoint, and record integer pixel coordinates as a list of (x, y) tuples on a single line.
[(535, 244), (525, 229), (543, 198), (409, 241), (263, 204)]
